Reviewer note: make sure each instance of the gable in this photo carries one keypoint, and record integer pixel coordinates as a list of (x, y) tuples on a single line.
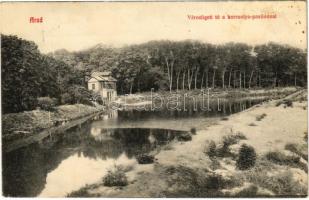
[(92, 80)]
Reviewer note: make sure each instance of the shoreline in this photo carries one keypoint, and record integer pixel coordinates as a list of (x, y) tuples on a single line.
[(59, 121)]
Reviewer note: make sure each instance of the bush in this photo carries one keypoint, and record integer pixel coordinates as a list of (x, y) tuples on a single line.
[(193, 131), (233, 138), (246, 158), (115, 178), (260, 117), (282, 159), (285, 102), (288, 102), (281, 183), (47, 103), (145, 159), (184, 137), (66, 98), (211, 149), (297, 150)]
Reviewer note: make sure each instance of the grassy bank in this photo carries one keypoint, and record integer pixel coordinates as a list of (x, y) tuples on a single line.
[(139, 99), (21, 125), (259, 152)]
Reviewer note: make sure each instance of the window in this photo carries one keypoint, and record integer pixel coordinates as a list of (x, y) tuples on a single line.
[(93, 86)]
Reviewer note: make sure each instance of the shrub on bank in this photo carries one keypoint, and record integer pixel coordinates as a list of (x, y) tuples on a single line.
[(260, 117), (193, 131), (66, 98), (297, 149), (211, 150), (285, 102), (281, 183), (282, 159), (47, 103), (115, 178), (184, 137), (246, 158), (145, 159)]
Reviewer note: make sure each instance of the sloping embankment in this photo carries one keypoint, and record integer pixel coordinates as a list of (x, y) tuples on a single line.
[(24, 128)]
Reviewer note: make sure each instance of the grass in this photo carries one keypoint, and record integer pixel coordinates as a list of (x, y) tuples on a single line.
[(260, 117), (83, 192), (281, 183), (145, 159), (250, 191), (19, 125), (282, 159), (185, 181), (285, 102), (298, 150)]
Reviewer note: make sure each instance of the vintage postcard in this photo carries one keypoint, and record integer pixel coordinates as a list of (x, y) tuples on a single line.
[(154, 99)]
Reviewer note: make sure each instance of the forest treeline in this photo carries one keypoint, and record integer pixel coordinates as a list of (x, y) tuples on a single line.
[(28, 74), (168, 65)]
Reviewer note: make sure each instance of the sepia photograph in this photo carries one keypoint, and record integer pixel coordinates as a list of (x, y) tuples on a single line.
[(154, 99)]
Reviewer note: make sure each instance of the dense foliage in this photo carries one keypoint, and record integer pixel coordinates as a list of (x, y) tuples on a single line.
[(168, 65), (28, 75), (163, 65)]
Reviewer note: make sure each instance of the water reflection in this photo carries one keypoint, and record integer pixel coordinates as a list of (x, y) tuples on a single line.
[(78, 170), (61, 163)]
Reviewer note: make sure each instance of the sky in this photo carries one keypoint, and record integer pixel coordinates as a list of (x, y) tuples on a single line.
[(79, 25)]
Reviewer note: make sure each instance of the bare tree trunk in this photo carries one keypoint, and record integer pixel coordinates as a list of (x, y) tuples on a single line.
[(131, 86), (234, 81), (189, 85), (251, 75), (171, 83), (244, 79), (295, 79), (275, 81), (170, 72), (239, 79), (190, 77), (183, 80), (195, 78), (206, 79), (259, 79), (177, 81), (202, 80), (230, 76), (223, 75), (213, 79)]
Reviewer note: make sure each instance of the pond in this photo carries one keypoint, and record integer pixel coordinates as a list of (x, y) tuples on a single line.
[(82, 155)]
